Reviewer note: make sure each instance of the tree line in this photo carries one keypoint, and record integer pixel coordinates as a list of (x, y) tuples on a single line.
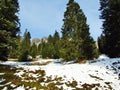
[(75, 42)]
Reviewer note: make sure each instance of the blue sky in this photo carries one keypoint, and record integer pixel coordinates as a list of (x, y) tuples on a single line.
[(43, 17)]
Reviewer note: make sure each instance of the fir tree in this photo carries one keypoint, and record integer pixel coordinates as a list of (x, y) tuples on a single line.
[(25, 46), (9, 23), (56, 38), (56, 43), (14, 48), (101, 41), (50, 39), (76, 40), (4, 44), (50, 49), (111, 27), (33, 50), (39, 52)]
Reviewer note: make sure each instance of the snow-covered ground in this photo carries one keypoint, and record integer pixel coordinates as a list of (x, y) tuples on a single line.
[(103, 71)]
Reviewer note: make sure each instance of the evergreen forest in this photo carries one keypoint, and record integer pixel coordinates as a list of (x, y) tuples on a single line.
[(75, 41)]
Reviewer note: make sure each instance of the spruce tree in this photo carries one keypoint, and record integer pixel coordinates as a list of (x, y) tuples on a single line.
[(56, 44), (33, 50), (9, 26), (26, 40), (76, 40), (50, 49), (4, 45), (25, 46), (101, 41), (110, 13), (56, 38), (50, 39)]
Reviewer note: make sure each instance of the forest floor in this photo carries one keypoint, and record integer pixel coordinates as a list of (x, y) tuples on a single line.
[(50, 74)]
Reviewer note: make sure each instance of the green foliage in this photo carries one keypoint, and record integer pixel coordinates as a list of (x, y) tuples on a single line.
[(8, 16), (110, 41), (56, 52), (47, 50), (76, 40), (4, 44), (14, 48), (25, 47), (56, 38), (26, 43), (23, 56), (33, 50), (56, 44), (9, 26), (50, 49), (101, 42), (39, 49), (66, 51)]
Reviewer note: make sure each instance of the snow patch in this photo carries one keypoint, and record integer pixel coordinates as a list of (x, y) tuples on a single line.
[(13, 63), (20, 88), (20, 73), (103, 57), (2, 73), (102, 71), (2, 80)]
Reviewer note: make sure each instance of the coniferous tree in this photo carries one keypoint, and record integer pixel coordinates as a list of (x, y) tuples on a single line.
[(101, 41), (14, 48), (33, 50), (9, 23), (39, 52), (56, 44), (76, 40), (50, 39), (56, 38), (4, 45), (48, 50), (36, 47), (110, 13), (25, 46)]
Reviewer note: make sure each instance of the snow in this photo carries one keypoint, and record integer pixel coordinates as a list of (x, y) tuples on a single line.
[(13, 63), (81, 73), (2, 80), (20, 73), (5, 88), (20, 88), (97, 71), (103, 57), (5, 84), (13, 85), (1, 73)]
